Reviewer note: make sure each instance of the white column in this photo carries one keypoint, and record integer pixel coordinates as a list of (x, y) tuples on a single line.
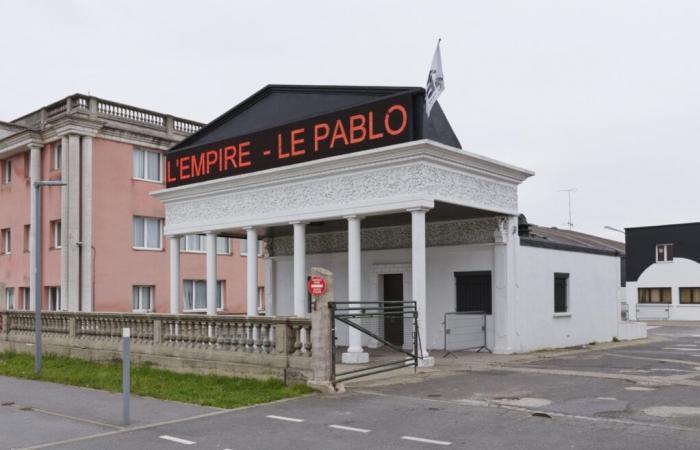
[(86, 255), (355, 353), (419, 283), (70, 223), (211, 274), (505, 284), (175, 274), (300, 298), (64, 224), (34, 175), (252, 272), (270, 307)]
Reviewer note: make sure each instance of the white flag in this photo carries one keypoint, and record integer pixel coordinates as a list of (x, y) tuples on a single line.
[(436, 82)]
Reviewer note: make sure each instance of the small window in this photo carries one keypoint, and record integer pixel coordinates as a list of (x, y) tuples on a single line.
[(195, 294), (243, 247), (56, 233), (142, 298), (10, 298), (7, 171), (56, 163), (25, 298), (561, 292), (6, 241), (147, 165), (690, 295), (664, 252), (474, 292), (147, 233), (54, 298), (654, 295), (27, 164), (27, 233)]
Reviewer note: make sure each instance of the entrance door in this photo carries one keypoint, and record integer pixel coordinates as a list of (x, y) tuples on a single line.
[(393, 323)]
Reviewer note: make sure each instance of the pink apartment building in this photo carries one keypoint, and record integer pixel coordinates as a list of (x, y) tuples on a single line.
[(102, 245)]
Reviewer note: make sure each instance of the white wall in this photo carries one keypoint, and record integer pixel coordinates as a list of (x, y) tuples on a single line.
[(442, 262), (680, 272), (593, 299)]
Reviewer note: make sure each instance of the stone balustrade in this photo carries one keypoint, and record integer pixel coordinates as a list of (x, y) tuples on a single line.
[(250, 346)]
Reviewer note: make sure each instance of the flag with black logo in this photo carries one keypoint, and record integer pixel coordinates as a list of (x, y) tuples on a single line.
[(436, 81)]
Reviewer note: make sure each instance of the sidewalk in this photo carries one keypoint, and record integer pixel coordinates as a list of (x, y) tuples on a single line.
[(36, 412)]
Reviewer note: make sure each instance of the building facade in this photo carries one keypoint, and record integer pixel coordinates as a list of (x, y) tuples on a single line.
[(102, 245), (663, 271), (361, 181)]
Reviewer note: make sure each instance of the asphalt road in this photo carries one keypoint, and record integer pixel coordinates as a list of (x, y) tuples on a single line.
[(642, 396)]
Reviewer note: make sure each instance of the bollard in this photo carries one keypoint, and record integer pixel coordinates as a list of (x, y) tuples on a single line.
[(126, 374)]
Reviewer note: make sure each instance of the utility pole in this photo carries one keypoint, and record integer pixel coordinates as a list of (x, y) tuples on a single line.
[(570, 223), (36, 288)]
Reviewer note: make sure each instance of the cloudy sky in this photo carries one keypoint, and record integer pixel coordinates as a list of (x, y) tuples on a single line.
[(602, 96)]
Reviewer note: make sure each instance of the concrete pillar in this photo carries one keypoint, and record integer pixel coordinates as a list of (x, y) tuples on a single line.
[(86, 252), (355, 353), (505, 284), (34, 175), (211, 274), (70, 223), (252, 272), (300, 297), (175, 274), (270, 306), (418, 278), (322, 377)]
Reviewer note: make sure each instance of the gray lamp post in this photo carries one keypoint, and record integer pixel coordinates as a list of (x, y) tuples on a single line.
[(37, 185)]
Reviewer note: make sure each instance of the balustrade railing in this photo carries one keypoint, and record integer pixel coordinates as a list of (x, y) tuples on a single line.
[(256, 335)]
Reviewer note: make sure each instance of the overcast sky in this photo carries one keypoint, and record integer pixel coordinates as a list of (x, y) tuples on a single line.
[(601, 96)]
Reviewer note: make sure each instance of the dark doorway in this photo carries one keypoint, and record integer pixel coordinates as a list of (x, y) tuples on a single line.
[(473, 291), (393, 323)]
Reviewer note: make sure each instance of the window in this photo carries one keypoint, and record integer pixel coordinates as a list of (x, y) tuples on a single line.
[(6, 241), (147, 233), (54, 298), (9, 298), (147, 165), (654, 295), (7, 171), (664, 252), (56, 233), (195, 293), (561, 293), (25, 298), (27, 233), (197, 243), (243, 247), (56, 163), (142, 298), (473, 292), (27, 163), (690, 296)]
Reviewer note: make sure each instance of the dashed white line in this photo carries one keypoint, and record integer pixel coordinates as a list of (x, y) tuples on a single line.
[(288, 419), (425, 441), (679, 349), (639, 388), (176, 439), (343, 427)]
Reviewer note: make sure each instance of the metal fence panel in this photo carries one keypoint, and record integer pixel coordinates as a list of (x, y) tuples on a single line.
[(465, 331)]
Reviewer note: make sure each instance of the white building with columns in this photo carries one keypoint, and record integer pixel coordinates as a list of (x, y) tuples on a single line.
[(360, 181)]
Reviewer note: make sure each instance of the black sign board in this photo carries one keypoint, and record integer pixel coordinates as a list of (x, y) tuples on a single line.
[(384, 122)]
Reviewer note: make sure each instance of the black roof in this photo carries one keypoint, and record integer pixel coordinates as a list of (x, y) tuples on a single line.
[(276, 105)]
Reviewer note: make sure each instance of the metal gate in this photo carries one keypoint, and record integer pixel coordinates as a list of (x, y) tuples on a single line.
[(465, 331), (370, 318)]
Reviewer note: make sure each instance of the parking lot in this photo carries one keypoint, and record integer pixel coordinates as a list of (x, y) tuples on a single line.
[(642, 395)]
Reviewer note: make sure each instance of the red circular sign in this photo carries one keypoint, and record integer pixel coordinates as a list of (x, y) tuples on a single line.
[(316, 285)]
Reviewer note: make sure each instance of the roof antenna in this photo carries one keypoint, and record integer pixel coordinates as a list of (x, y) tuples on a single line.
[(570, 223)]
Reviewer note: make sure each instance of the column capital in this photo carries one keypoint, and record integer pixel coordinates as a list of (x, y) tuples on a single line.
[(418, 209), (353, 216), (250, 227), (298, 222), (35, 145), (210, 233)]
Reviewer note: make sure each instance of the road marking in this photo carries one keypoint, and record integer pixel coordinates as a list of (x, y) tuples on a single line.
[(639, 388), (606, 398), (425, 441), (343, 427), (651, 328), (178, 440), (679, 349), (288, 419)]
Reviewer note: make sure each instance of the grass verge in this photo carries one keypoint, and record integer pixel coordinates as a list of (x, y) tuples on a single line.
[(205, 390)]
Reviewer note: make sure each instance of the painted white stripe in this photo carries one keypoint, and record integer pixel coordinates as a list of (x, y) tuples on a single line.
[(342, 427), (178, 440), (679, 349), (425, 441), (288, 419), (652, 327), (639, 388)]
